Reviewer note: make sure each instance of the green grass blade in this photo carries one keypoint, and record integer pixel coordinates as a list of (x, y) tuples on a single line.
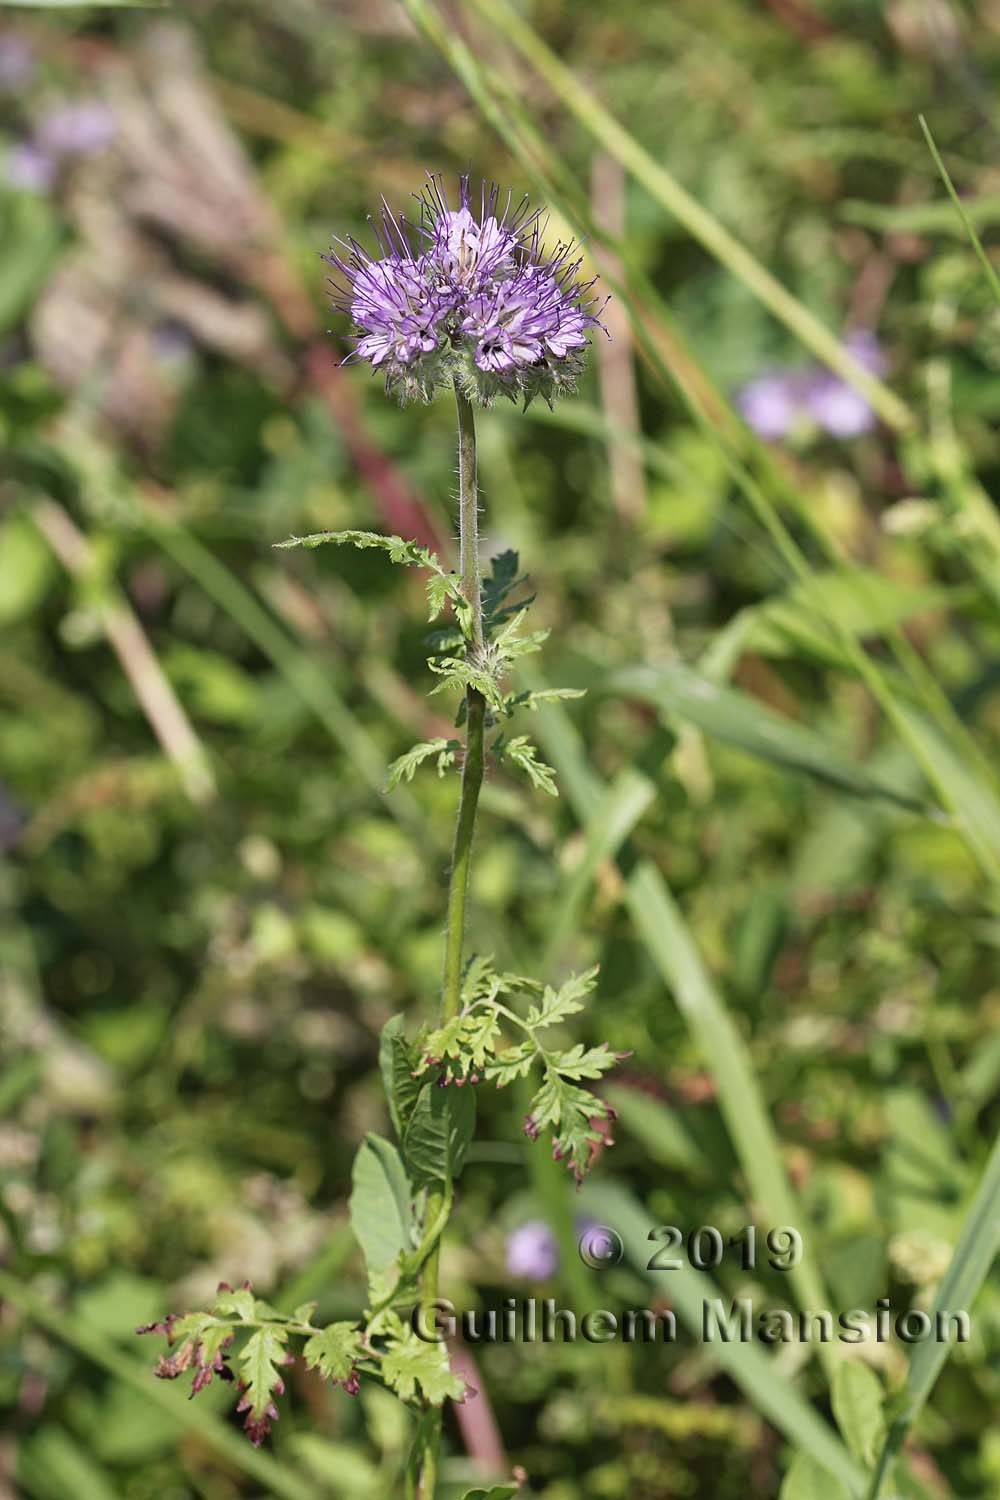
[(960, 209), (755, 1372), (610, 823), (732, 716), (977, 1249), (669, 943), (655, 915), (310, 681), (972, 802)]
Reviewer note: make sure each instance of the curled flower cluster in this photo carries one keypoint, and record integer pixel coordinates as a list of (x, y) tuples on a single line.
[(475, 297)]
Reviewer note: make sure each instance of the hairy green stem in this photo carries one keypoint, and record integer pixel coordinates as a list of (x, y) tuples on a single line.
[(425, 1449)]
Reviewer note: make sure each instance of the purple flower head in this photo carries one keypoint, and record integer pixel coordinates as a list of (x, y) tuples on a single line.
[(532, 1252), (77, 129), (30, 168), (465, 295)]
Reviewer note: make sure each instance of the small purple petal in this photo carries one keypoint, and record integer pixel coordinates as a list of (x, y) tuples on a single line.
[(838, 408), (863, 346), (77, 129), (770, 404), (30, 168), (532, 1252)]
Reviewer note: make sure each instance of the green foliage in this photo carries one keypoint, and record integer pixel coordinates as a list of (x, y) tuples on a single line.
[(524, 755), (438, 1134), (405, 766), (857, 1405), (809, 1480), (467, 1047), (413, 1367), (334, 1351), (398, 1060), (381, 1212)]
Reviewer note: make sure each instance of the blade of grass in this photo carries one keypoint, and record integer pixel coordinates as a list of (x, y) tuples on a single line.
[(612, 820), (725, 1053), (967, 224), (671, 946), (747, 1365), (977, 1248), (740, 720), (308, 679)]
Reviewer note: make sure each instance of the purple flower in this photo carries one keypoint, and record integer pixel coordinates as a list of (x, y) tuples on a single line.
[(532, 1252), (837, 407), (469, 296), (772, 404), (77, 129), (30, 168)]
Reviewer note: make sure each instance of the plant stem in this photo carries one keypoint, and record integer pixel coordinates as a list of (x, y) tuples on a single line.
[(468, 516), (425, 1450)]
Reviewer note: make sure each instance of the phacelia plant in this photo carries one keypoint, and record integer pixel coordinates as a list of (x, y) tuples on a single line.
[(478, 302)]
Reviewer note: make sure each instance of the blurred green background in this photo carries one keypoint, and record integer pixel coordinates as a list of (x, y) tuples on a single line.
[(208, 908)]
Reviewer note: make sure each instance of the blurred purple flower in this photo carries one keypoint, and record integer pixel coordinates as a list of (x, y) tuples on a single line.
[(837, 407), (30, 168), (532, 1252), (772, 403), (77, 129), (16, 62)]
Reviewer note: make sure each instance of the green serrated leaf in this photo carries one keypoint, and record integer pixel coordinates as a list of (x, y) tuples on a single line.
[(397, 1061), (404, 767), (410, 1364), (439, 1133), (479, 979), (857, 1399), (380, 1206), (495, 1492), (569, 1112), (532, 699), (513, 1062), (460, 675), (501, 580), (334, 1351), (524, 755), (468, 1040), (556, 1005), (260, 1359), (578, 1063), (241, 1304)]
